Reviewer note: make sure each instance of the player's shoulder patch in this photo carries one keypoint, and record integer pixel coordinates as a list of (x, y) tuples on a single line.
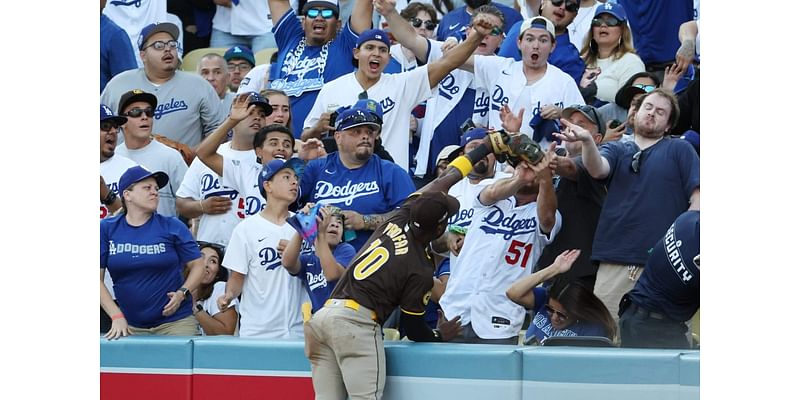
[(426, 298)]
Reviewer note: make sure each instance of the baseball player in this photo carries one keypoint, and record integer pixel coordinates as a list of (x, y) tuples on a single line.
[(546, 89), (514, 219), (344, 340), (398, 94), (188, 108)]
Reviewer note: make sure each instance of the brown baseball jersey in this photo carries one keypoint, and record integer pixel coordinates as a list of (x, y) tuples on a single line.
[(390, 270)]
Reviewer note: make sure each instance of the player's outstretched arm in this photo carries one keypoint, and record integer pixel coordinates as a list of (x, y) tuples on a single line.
[(417, 330), (521, 291)]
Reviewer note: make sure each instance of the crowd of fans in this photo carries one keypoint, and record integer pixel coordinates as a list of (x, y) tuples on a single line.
[(235, 196)]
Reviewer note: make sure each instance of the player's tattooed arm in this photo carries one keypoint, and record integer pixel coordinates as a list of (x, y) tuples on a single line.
[(361, 222)]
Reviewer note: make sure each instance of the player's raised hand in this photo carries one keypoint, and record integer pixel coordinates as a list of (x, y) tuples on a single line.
[(511, 122), (384, 7), (241, 107), (448, 328), (564, 261), (454, 242)]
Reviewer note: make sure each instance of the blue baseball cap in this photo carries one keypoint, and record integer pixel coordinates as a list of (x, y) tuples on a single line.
[(242, 52), (373, 34), (617, 10), (137, 174), (473, 134), (371, 105), (259, 100), (273, 167), (106, 114), (154, 28)]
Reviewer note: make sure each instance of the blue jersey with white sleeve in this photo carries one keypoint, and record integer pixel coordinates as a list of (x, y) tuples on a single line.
[(319, 289)]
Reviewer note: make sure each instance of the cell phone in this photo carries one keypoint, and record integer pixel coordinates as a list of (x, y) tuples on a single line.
[(615, 123)]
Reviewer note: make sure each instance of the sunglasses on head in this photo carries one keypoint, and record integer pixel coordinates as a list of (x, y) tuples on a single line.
[(327, 13), (107, 126), (609, 20), (646, 88), (416, 23), (572, 6), (559, 314), (137, 112)]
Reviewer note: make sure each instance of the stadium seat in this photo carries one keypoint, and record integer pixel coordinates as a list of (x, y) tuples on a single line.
[(582, 341), (263, 56), (191, 59), (391, 334)]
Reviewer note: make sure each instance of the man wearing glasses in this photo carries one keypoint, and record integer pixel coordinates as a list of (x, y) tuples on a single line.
[(240, 61), (456, 23), (140, 146), (314, 51), (651, 180), (187, 107), (565, 56)]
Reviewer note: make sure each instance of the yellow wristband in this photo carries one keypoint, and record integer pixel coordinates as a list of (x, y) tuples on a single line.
[(463, 164)]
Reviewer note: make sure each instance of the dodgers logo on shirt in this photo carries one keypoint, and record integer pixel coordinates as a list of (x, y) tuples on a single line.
[(481, 104), (498, 98), (462, 218), (316, 281), (211, 186), (497, 223), (447, 87), (270, 258), (328, 193), (169, 107), (387, 104), (135, 3), (294, 70)]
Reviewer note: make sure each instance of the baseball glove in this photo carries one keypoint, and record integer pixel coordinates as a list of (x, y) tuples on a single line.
[(514, 147)]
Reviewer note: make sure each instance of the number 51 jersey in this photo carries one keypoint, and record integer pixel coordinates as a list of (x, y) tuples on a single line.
[(502, 244)]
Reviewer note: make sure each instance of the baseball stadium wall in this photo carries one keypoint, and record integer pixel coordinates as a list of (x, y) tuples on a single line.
[(211, 368)]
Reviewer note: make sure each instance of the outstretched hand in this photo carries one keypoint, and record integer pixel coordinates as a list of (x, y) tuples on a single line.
[(573, 133), (241, 107), (448, 328), (511, 122), (384, 7), (564, 261)]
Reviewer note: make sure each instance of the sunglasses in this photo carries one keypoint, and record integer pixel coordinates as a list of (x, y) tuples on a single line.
[(559, 314), (416, 23), (107, 126), (495, 31), (137, 112), (572, 6), (636, 162), (608, 20), (646, 88), (159, 45), (327, 13)]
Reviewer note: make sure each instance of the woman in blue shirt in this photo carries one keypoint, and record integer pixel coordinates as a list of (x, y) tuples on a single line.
[(145, 253), (564, 309)]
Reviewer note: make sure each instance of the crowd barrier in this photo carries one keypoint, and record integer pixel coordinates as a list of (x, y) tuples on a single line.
[(205, 368)]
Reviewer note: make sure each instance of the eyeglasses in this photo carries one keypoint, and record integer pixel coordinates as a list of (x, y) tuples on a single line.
[(636, 162), (137, 112), (572, 6), (416, 23), (646, 88), (241, 67), (559, 314), (327, 13), (107, 126), (609, 20), (159, 45)]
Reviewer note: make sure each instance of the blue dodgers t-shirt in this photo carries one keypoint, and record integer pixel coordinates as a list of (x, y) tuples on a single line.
[(640, 206), (319, 289), (145, 263), (541, 328), (376, 187), (670, 283), (455, 22), (566, 56), (300, 77)]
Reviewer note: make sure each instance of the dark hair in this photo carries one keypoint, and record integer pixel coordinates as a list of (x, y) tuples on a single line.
[(265, 93), (413, 8), (673, 101), (261, 135), (581, 304), (204, 291), (491, 10)]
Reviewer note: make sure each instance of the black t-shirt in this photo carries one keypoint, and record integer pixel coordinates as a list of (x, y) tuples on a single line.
[(390, 270), (579, 202)]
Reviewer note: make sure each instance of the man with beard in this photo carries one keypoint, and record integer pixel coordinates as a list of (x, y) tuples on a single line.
[(312, 52), (456, 23), (534, 90), (514, 219), (187, 107), (566, 55), (458, 98), (652, 180), (354, 179), (398, 94)]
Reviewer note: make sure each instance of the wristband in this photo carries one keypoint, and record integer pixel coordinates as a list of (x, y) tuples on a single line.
[(117, 316), (462, 164)]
